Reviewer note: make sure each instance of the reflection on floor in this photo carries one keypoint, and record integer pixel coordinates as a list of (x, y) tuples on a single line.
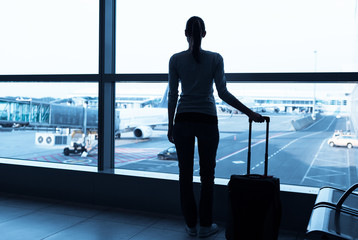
[(36, 218)]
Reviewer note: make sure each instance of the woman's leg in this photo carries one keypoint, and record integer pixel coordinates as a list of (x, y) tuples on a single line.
[(208, 141), (185, 143)]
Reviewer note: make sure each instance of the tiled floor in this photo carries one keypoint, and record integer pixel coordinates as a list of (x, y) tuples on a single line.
[(27, 218)]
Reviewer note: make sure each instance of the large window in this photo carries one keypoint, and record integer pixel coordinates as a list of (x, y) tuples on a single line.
[(49, 37), (252, 36), (313, 123), (307, 124)]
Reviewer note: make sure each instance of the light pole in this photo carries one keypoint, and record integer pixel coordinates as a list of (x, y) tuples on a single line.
[(314, 87)]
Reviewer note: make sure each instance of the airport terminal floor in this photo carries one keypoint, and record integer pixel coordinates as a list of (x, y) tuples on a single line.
[(29, 218)]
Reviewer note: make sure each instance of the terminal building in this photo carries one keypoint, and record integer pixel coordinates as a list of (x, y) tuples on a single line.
[(24, 112)]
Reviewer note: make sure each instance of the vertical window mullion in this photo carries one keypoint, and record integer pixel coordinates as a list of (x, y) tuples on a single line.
[(106, 85)]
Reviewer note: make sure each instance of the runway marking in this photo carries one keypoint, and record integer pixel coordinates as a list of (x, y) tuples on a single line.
[(53, 157), (329, 175), (314, 159), (284, 147), (245, 148), (78, 161), (325, 182), (330, 124), (348, 167), (272, 155), (288, 144), (238, 162), (122, 155), (332, 162)]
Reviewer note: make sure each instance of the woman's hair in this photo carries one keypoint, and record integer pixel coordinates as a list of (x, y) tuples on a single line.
[(195, 29)]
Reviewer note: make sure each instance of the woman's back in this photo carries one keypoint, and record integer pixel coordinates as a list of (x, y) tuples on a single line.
[(196, 80)]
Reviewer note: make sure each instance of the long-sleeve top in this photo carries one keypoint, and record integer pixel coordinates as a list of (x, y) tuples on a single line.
[(197, 83)]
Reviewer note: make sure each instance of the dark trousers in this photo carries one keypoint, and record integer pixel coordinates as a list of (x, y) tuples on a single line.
[(207, 135)]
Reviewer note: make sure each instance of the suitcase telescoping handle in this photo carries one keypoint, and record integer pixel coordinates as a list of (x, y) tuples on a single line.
[(267, 120)]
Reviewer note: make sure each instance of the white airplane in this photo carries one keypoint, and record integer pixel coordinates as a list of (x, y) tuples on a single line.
[(141, 120)]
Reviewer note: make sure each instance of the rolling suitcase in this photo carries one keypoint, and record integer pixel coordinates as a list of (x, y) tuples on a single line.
[(254, 202)]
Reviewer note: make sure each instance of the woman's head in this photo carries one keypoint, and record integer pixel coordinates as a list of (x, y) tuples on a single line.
[(195, 31)]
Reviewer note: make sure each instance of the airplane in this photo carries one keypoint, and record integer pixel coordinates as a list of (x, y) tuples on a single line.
[(142, 121)]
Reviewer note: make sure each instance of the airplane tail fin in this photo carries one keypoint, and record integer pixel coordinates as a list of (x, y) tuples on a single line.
[(164, 102)]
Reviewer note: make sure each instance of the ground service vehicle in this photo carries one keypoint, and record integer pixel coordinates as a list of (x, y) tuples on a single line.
[(168, 154), (348, 141)]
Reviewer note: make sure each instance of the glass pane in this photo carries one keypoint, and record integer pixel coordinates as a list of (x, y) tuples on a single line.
[(49, 37), (305, 119), (252, 36), (140, 125), (47, 122)]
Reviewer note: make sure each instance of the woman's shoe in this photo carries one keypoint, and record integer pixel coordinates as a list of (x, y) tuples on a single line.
[(191, 231), (208, 231)]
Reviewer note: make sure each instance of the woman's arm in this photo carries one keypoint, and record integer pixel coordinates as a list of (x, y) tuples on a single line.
[(173, 80), (225, 95)]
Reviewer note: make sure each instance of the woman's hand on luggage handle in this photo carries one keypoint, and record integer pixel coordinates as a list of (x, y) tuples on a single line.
[(256, 117)]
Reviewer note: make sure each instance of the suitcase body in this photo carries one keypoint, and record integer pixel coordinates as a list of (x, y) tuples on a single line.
[(254, 202)]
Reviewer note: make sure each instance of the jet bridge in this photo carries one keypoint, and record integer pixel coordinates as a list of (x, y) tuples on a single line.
[(16, 112), (21, 112)]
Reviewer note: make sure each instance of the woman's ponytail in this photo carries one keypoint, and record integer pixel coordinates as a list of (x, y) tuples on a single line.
[(196, 36), (195, 29)]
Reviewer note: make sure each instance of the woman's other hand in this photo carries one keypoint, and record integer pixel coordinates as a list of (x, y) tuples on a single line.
[(170, 135)]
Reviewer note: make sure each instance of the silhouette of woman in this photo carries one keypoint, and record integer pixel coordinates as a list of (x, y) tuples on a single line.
[(196, 116)]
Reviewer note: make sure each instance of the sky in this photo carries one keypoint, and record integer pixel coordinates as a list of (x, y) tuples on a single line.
[(61, 37), (252, 36)]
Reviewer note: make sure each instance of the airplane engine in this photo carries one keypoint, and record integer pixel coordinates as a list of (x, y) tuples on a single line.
[(143, 132)]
